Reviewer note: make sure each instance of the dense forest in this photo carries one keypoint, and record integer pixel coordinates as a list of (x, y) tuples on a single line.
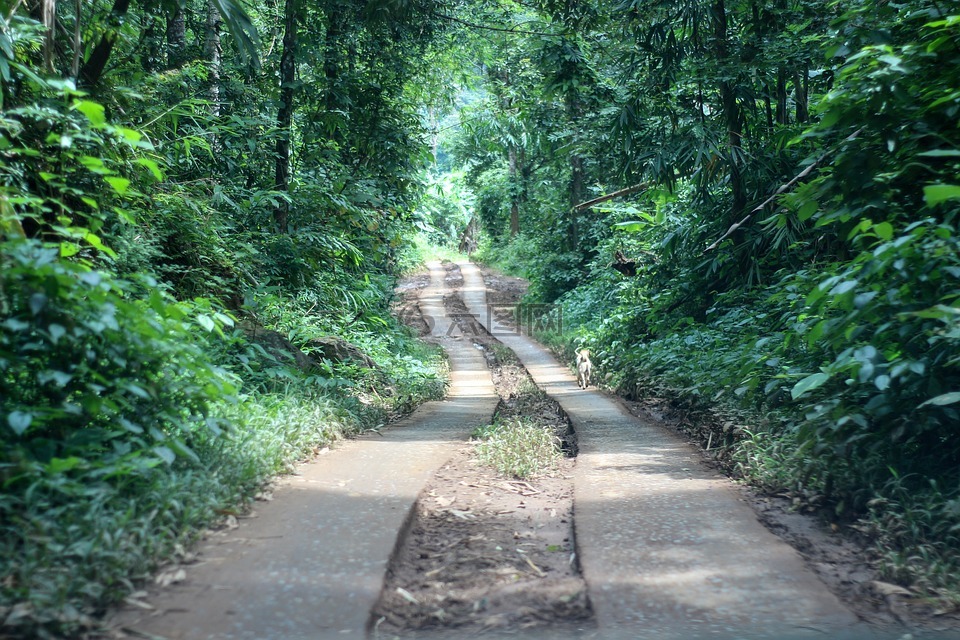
[(749, 208)]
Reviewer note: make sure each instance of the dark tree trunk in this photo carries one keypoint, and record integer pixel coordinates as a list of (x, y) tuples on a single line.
[(49, 17), (176, 39), (288, 68), (92, 69), (800, 86), (768, 107), (782, 117), (732, 113)]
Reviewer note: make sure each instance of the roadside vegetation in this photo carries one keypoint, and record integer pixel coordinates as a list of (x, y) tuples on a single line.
[(779, 246), (195, 284), (749, 207)]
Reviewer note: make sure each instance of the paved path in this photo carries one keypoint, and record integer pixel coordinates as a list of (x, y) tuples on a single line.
[(668, 549), (311, 565)]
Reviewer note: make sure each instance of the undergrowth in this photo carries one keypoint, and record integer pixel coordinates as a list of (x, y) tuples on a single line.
[(518, 448), (116, 461)]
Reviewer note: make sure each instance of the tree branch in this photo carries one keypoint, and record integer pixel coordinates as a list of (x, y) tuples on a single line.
[(583, 206), (800, 176), (474, 25)]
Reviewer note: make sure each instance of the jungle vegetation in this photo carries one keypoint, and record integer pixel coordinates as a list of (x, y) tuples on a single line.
[(775, 181)]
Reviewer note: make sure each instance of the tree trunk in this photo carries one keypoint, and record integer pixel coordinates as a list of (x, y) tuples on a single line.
[(514, 192), (176, 39), (782, 117), (768, 107), (92, 69), (800, 83), (732, 114), (49, 11), (75, 66), (212, 54), (288, 68)]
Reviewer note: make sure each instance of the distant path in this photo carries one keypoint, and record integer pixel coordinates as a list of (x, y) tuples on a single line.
[(668, 550), (311, 564)]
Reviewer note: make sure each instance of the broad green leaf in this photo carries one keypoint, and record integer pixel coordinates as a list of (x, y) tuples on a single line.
[(165, 453), (95, 242), (183, 450), (95, 164), (807, 210), (206, 322), (884, 230), (843, 287), (68, 249), (936, 193), (631, 226), (225, 320), (95, 112), (19, 421), (809, 383), (943, 399), (120, 185), (61, 465), (942, 153), (152, 166)]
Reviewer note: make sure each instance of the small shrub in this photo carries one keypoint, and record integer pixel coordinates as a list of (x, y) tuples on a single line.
[(518, 448)]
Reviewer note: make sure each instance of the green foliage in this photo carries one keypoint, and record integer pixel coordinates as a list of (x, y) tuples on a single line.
[(828, 323), (87, 371), (518, 448), (137, 237), (446, 209)]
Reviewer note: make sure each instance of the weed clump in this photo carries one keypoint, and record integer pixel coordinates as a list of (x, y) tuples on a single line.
[(518, 448)]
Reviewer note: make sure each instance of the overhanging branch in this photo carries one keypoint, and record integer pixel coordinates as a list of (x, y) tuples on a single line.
[(583, 206), (474, 25), (800, 176)]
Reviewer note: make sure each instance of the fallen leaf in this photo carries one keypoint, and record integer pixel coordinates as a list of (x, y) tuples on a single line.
[(887, 589), (137, 603), (409, 597)]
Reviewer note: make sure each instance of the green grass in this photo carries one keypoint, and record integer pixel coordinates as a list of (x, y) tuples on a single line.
[(518, 448)]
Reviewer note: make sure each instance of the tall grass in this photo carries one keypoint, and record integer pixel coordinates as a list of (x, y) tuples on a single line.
[(518, 448)]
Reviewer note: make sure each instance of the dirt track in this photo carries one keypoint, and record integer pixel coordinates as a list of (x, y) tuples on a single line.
[(482, 555)]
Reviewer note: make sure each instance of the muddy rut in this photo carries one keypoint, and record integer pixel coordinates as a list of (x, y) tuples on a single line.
[(487, 553)]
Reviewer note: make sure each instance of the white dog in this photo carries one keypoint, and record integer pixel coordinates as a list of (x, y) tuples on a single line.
[(583, 368)]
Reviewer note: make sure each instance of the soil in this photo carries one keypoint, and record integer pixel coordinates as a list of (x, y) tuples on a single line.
[(486, 554)]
